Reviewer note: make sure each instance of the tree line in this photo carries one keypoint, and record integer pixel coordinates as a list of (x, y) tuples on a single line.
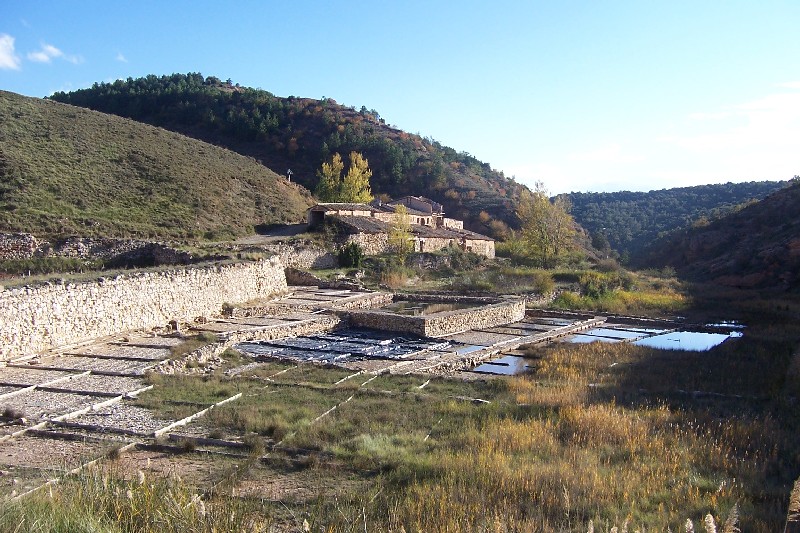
[(627, 222), (302, 133)]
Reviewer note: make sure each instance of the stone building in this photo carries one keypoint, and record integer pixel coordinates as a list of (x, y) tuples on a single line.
[(369, 225)]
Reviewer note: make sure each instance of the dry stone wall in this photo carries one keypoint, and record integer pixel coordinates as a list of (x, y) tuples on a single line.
[(121, 251), (370, 243), (445, 323), (37, 318), (17, 245), (303, 256)]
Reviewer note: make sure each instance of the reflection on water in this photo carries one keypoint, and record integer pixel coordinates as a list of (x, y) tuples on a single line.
[(692, 341), (508, 366), (613, 333), (585, 339), (407, 307)]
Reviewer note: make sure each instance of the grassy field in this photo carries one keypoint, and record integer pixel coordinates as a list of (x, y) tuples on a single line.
[(69, 171), (599, 436)]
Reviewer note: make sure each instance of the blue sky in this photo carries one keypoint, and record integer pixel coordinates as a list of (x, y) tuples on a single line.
[(582, 95)]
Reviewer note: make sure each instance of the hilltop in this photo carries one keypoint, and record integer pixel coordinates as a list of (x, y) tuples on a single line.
[(628, 222), (70, 171), (757, 246), (300, 133)]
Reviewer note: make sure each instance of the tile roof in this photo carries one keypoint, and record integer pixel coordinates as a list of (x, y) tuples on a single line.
[(333, 206)]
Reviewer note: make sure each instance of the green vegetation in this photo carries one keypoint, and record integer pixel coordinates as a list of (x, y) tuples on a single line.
[(302, 133), (351, 255), (36, 266), (69, 171), (627, 222)]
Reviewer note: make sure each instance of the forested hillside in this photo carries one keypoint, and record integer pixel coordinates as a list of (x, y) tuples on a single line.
[(629, 221), (300, 133), (71, 171), (758, 246)]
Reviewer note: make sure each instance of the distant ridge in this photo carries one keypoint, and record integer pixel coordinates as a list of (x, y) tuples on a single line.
[(70, 171), (758, 246), (632, 221)]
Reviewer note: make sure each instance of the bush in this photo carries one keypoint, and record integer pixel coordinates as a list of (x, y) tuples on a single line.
[(597, 284), (461, 260), (542, 282), (351, 255), (567, 300)]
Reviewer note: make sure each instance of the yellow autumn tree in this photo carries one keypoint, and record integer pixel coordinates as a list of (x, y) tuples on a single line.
[(330, 180), (548, 231), (353, 188), (355, 185), (401, 241)]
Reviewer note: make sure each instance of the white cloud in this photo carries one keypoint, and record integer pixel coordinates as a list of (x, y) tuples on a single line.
[(50, 52), (789, 85), (9, 60), (121, 58), (46, 54)]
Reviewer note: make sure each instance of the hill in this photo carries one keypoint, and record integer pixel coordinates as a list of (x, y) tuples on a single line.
[(630, 221), (757, 246), (70, 171), (300, 133)]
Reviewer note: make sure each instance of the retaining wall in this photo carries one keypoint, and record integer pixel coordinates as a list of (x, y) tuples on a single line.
[(484, 315), (37, 318)]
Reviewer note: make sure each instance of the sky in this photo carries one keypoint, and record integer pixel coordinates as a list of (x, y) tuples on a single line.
[(591, 96)]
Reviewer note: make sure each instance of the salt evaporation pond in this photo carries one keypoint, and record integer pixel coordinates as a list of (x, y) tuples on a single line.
[(692, 341), (341, 346), (509, 365)]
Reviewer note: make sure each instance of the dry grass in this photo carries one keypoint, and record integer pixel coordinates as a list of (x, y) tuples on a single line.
[(612, 435)]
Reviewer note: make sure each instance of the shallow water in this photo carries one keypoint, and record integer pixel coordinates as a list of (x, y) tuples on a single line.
[(613, 333), (585, 339), (692, 341), (509, 365)]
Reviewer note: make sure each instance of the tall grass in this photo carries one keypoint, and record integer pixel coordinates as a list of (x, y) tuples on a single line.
[(612, 435), (102, 499)]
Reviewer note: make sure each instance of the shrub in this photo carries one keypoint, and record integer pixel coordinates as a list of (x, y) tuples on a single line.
[(567, 300), (542, 282), (351, 255)]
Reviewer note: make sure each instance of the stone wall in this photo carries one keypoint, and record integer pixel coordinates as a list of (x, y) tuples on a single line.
[(452, 223), (445, 323), (117, 251), (17, 245), (303, 255), (371, 243), (37, 318), (484, 248)]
